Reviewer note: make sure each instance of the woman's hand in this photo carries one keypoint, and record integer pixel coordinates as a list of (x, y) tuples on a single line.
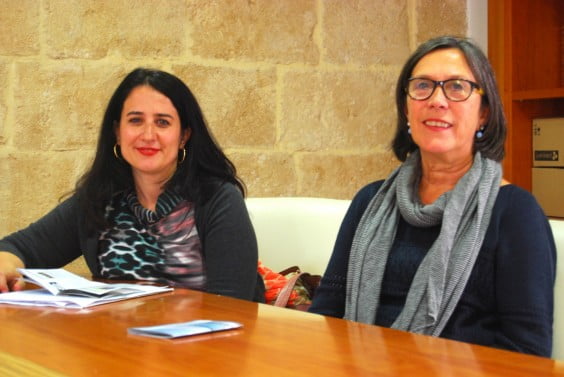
[(10, 278)]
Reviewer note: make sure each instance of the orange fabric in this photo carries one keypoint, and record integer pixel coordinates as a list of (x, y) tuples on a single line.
[(273, 283)]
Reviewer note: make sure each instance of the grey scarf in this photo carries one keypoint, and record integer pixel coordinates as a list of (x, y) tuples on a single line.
[(465, 214)]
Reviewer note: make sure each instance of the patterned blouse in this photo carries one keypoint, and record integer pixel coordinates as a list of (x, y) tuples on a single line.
[(161, 246)]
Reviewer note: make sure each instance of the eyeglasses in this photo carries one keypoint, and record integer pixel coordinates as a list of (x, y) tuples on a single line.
[(456, 90)]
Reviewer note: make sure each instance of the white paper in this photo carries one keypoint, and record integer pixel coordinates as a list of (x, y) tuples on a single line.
[(67, 290), (58, 280), (176, 330)]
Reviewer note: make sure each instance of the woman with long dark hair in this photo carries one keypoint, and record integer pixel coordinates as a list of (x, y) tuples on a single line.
[(160, 203)]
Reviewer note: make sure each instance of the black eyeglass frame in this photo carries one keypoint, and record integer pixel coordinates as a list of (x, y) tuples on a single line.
[(473, 86)]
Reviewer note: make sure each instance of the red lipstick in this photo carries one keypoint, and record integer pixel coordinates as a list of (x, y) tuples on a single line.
[(147, 151)]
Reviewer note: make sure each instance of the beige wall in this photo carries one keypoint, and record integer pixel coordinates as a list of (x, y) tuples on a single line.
[(298, 92)]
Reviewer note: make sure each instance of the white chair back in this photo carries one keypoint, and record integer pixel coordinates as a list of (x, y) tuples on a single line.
[(296, 230)]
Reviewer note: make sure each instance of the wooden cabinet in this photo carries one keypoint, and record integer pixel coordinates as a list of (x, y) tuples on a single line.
[(525, 47)]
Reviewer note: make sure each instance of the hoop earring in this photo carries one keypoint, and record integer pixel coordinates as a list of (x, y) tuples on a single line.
[(183, 156), (116, 152)]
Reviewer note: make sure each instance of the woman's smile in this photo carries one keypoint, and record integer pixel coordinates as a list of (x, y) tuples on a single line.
[(437, 124), (145, 151)]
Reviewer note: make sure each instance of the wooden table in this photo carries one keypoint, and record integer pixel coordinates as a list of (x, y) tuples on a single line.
[(273, 342)]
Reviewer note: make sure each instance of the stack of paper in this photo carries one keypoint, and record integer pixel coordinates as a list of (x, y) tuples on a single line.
[(62, 288)]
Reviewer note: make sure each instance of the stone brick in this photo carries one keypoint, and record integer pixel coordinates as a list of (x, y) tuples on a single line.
[(299, 92), (341, 176), (144, 28), (337, 110), (3, 100), (238, 104), (19, 27), (442, 17), (60, 107), (32, 184), (365, 31), (255, 30), (266, 173)]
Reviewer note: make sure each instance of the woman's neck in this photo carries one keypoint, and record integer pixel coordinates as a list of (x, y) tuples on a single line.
[(150, 186), (438, 177), (148, 191)]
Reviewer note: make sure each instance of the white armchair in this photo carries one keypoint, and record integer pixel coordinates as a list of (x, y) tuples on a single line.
[(296, 230)]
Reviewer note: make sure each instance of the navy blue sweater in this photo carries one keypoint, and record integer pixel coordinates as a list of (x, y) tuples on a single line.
[(508, 301)]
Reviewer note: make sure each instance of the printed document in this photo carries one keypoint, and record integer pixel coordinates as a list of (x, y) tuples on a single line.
[(62, 288)]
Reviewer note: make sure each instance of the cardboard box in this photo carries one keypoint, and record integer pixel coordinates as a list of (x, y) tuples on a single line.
[(548, 189), (548, 142), (548, 165)]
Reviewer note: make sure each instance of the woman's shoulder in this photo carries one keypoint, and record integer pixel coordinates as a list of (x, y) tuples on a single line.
[(227, 189), (222, 194), (68, 204), (516, 204), (363, 197), (368, 191), (511, 195)]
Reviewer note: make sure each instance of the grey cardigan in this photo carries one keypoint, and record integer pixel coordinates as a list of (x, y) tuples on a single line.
[(228, 243)]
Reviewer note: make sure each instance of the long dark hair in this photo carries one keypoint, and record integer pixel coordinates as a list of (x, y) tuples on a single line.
[(196, 178), (491, 145)]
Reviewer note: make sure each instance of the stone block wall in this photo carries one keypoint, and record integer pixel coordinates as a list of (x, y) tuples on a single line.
[(299, 93)]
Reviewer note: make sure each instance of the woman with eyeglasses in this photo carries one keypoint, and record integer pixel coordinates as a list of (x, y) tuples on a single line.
[(445, 246)]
